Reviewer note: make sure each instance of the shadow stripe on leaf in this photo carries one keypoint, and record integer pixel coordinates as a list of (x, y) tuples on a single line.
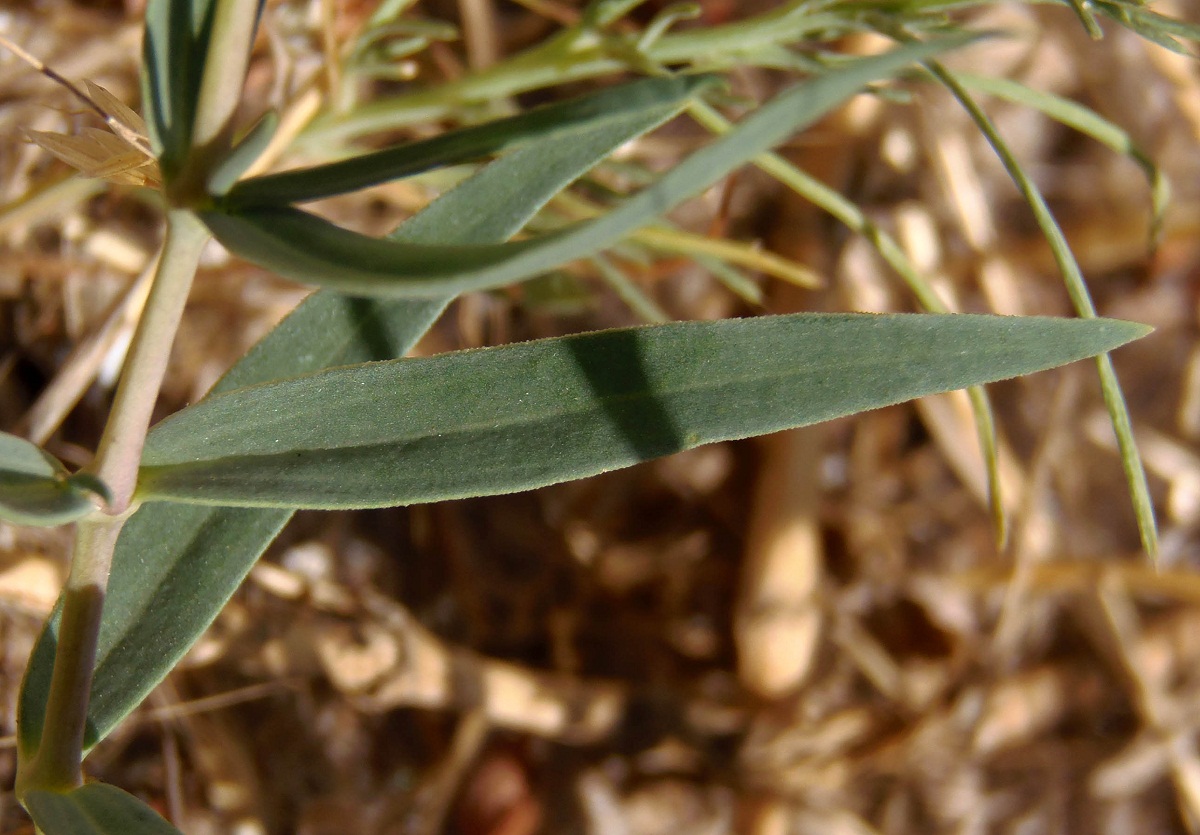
[(497, 420)]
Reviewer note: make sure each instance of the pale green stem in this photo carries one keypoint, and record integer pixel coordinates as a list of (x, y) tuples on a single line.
[(121, 446), (575, 54), (629, 292), (56, 763), (1087, 19)]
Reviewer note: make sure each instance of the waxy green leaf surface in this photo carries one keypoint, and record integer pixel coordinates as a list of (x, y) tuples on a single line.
[(35, 489), (564, 121), (94, 809), (511, 418), (244, 154), (306, 248), (175, 42), (176, 565)]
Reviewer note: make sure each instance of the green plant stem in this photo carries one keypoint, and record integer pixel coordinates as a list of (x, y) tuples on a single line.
[(1087, 19), (577, 53), (121, 445), (605, 12), (56, 763), (1114, 400)]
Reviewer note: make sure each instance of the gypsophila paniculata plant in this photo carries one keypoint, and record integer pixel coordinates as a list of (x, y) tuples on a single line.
[(325, 413)]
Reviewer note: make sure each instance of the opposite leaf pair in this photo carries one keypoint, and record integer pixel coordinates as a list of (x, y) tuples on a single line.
[(306, 419)]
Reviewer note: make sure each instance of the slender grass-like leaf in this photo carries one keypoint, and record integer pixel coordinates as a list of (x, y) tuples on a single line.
[(309, 249), (628, 292), (579, 53), (521, 416), (562, 120), (176, 565), (1088, 122), (582, 52), (847, 213), (1087, 19), (223, 176), (36, 489), (94, 809), (1076, 286), (173, 48), (1151, 25), (735, 281)]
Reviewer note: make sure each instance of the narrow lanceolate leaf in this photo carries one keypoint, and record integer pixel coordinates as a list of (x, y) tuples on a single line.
[(173, 49), (1151, 25), (521, 416), (564, 121), (251, 146), (94, 809), (176, 565), (308, 249), (35, 489)]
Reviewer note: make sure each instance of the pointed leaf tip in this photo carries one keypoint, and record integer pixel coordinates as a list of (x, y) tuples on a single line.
[(35, 488), (521, 416), (176, 565), (566, 121)]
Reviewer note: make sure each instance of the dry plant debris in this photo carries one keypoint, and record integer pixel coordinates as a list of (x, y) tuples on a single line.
[(812, 634)]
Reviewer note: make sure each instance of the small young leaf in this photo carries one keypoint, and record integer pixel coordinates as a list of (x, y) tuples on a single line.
[(306, 248), (20, 457), (94, 809), (35, 489), (512, 418), (176, 565), (564, 121), (225, 173), (1076, 286), (173, 49)]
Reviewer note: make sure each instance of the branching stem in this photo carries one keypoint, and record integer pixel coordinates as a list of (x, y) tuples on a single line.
[(121, 445), (56, 763)]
